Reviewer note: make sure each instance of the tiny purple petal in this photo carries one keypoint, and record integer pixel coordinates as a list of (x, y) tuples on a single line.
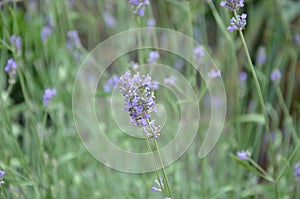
[(244, 155), (275, 75)]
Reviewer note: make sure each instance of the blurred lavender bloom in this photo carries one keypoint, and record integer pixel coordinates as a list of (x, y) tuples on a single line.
[(2, 173), (45, 33), (275, 75), (213, 73), (297, 171), (243, 77), (73, 36), (153, 56), (178, 64), (151, 22), (170, 80), (111, 83), (139, 102), (232, 5), (109, 20), (16, 41), (155, 85), (297, 39), (237, 24), (11, 66), (198, 53), (159, 185), (139, 6), (261, 56), (48, 94), (11, 69), (243, 155)]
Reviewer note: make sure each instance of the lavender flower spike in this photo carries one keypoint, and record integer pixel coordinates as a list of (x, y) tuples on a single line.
[(139, 6), (49, 93), (139, 101), (16, 41), (45, 33), (297, 171), (153, 56), (232, 5), (243, 155), (11, 69), (275, 75), (238, 23), (2, 173), (159, 187)]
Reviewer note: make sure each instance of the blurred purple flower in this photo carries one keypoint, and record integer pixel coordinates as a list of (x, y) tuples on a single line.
[(2, 173), (11, 66), (170, 80), (48, 94), (198, 53), (261, 56), (232, 5), (16, 41), (159, 185), (45, 33), (73, 36), (243, 76), (111, 83), (297, 39), (155, 85), (297, 171), (139, 6), (109, 20), (153, 56), (213, 73), (243, 155), (139, 102), (237, 24), (151, 22), (275, 75)]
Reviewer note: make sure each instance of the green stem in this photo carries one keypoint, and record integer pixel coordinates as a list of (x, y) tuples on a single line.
[(261, 100)]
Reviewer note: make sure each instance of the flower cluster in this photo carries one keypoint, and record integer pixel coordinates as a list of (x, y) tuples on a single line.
[(238, 23), (160, 185), (2, 173), (153, 56), (11, 69), (198, 53), (45, 33), (111, 83), (139, 101), (49, 93), (139, 6), (232, 5), (214, 73), (297, 171), (16, 42), (275, 75), (74, 37), (243, 155)]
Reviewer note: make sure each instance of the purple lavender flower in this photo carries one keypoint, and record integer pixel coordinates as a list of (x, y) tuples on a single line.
[(170, 80), (16, 41), (11, 66), (151, 22), (275, 75), (139, 102), (45, 33), (297, 171), (11, 69), (243, 76), (2, 173), (243, 155), (198, 52), (159, 185), (213, 73), (111, 83), (153, 56), (261, 56), (155, 86), (49, 93), (297, 39), (139, 6), (74, 37), (237, 24), (232, 5), (109, 19)]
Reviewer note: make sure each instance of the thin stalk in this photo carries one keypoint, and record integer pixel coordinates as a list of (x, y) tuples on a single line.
[(261, 100)]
